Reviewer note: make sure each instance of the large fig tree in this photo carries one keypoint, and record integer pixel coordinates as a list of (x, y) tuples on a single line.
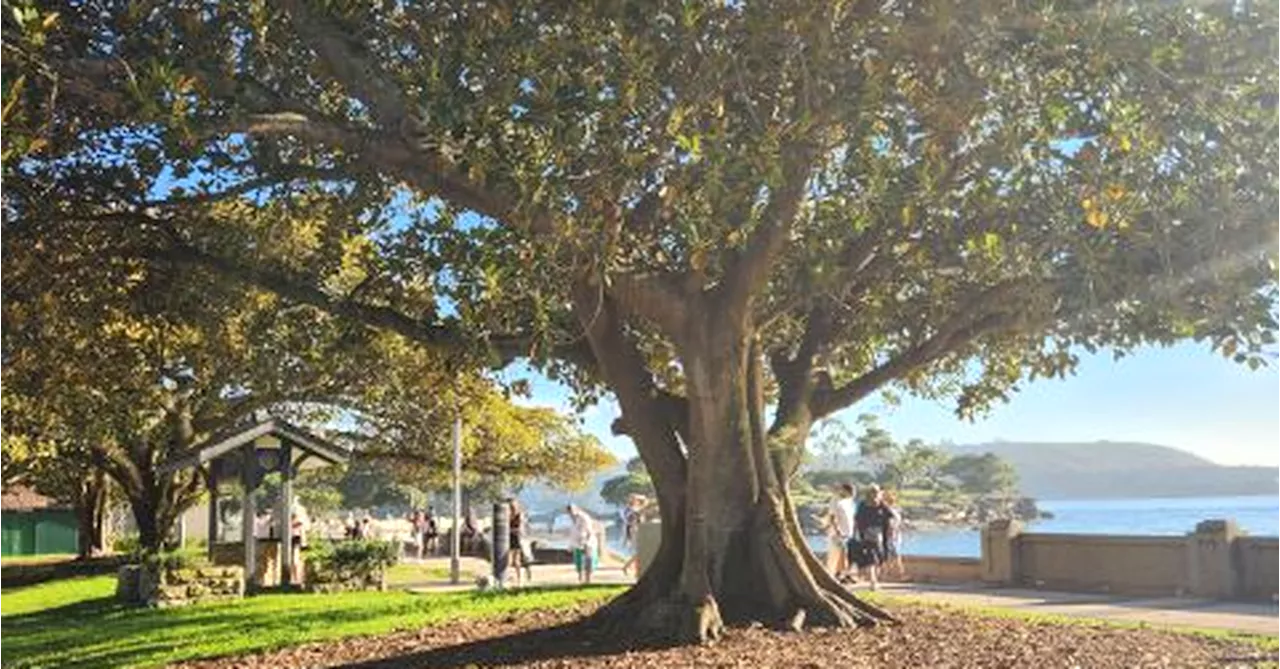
[(737, 218)]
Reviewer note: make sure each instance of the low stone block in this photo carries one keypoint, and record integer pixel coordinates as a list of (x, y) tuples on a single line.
[(127, 583), (148, 583)]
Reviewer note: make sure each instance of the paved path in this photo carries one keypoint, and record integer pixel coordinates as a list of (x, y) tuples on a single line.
[(1252, 618), (556, 575)]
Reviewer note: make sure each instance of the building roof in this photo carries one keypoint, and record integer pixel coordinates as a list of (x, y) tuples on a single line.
[(22, 498), (228, 441)]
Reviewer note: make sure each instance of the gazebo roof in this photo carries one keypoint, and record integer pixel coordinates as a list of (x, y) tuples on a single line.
[(228, 441)]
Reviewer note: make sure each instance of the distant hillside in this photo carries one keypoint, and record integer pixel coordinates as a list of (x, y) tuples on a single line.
[(1117, 470)]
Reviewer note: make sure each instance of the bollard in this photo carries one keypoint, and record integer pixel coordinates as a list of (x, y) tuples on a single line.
[(501, 542)]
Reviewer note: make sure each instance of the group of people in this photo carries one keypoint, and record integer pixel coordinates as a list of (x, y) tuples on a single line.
[(426, 531), (863, 534), (358, 529)]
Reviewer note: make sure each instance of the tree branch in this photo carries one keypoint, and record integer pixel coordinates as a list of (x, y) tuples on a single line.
[(349, 63), (624, 369), (748, 270), (428, 172), (291, 173), (828, 400), (655, 297), (794, 375), (446, 338)]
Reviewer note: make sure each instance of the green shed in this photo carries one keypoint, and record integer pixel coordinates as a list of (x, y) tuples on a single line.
[(32, 524)]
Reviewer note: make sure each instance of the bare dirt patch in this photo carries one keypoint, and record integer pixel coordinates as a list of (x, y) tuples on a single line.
[(927, 637)]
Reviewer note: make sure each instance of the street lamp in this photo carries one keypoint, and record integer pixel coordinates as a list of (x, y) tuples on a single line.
[(455, 547)]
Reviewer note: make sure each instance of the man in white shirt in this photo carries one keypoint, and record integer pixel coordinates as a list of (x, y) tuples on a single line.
[(584, 542), (840, 530)]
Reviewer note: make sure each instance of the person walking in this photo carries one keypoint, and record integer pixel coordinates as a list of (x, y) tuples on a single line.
[(430, 532), (469, 530), (518, 551), (840, 531), (418, 526), (584, 542), (299, 528), (893, 534), (631, 519), (866, 549)]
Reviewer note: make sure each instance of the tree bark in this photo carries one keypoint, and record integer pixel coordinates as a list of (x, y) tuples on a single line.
[(91, 513), (732, 551)]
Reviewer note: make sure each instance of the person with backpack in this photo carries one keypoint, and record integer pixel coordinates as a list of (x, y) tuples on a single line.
[(866, 549)]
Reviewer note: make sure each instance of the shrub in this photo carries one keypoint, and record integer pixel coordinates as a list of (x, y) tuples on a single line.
[(126, 545), (168, 560), (347, 560)]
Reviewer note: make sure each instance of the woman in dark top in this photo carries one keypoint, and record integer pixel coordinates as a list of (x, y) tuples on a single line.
[(468, 537), (431, 532), (869, 523), (516, 551)]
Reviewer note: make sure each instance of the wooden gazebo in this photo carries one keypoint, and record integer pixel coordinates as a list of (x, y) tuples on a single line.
[(249, 452)]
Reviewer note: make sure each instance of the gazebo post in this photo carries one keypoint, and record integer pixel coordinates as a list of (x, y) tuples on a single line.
[(247, 476), (286, 512), (212, 481)]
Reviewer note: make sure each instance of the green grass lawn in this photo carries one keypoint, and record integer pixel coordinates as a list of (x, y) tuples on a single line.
[(406, 574), (76, 622)]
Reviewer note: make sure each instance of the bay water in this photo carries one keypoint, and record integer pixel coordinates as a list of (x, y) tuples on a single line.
[(1257, 515)]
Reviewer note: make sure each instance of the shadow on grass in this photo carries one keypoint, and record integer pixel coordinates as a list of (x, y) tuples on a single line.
[(17, 574)]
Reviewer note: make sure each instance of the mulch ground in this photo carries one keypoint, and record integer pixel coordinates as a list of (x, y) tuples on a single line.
[(928, 637)]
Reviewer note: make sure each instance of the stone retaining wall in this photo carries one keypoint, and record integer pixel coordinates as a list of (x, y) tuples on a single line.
[(162, 588), (933, 569), (1215, 561), (322, 582)]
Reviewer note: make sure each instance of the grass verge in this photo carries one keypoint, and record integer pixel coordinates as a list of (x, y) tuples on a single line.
[(76, 622)]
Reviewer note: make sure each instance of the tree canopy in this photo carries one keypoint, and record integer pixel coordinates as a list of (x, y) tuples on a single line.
[(114, 365), (701, 207)]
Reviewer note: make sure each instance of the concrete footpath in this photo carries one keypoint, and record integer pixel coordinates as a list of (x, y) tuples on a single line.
[(1244, 617)]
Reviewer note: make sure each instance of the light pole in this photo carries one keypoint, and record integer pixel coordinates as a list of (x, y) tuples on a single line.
[(455, 547)]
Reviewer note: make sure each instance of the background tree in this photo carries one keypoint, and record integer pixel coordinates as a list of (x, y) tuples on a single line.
[(702, 208), (635, 481), (114, 366), (834, 440), (915, 466), (982, 474), (876, 446)]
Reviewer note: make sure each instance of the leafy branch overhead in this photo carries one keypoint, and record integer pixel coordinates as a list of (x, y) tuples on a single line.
[(878, 195)]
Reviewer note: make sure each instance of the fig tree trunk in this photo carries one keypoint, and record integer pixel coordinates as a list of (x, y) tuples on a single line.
[(732, 550)]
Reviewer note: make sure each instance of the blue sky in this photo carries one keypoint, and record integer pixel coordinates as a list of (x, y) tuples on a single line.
[(1185, 396)]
